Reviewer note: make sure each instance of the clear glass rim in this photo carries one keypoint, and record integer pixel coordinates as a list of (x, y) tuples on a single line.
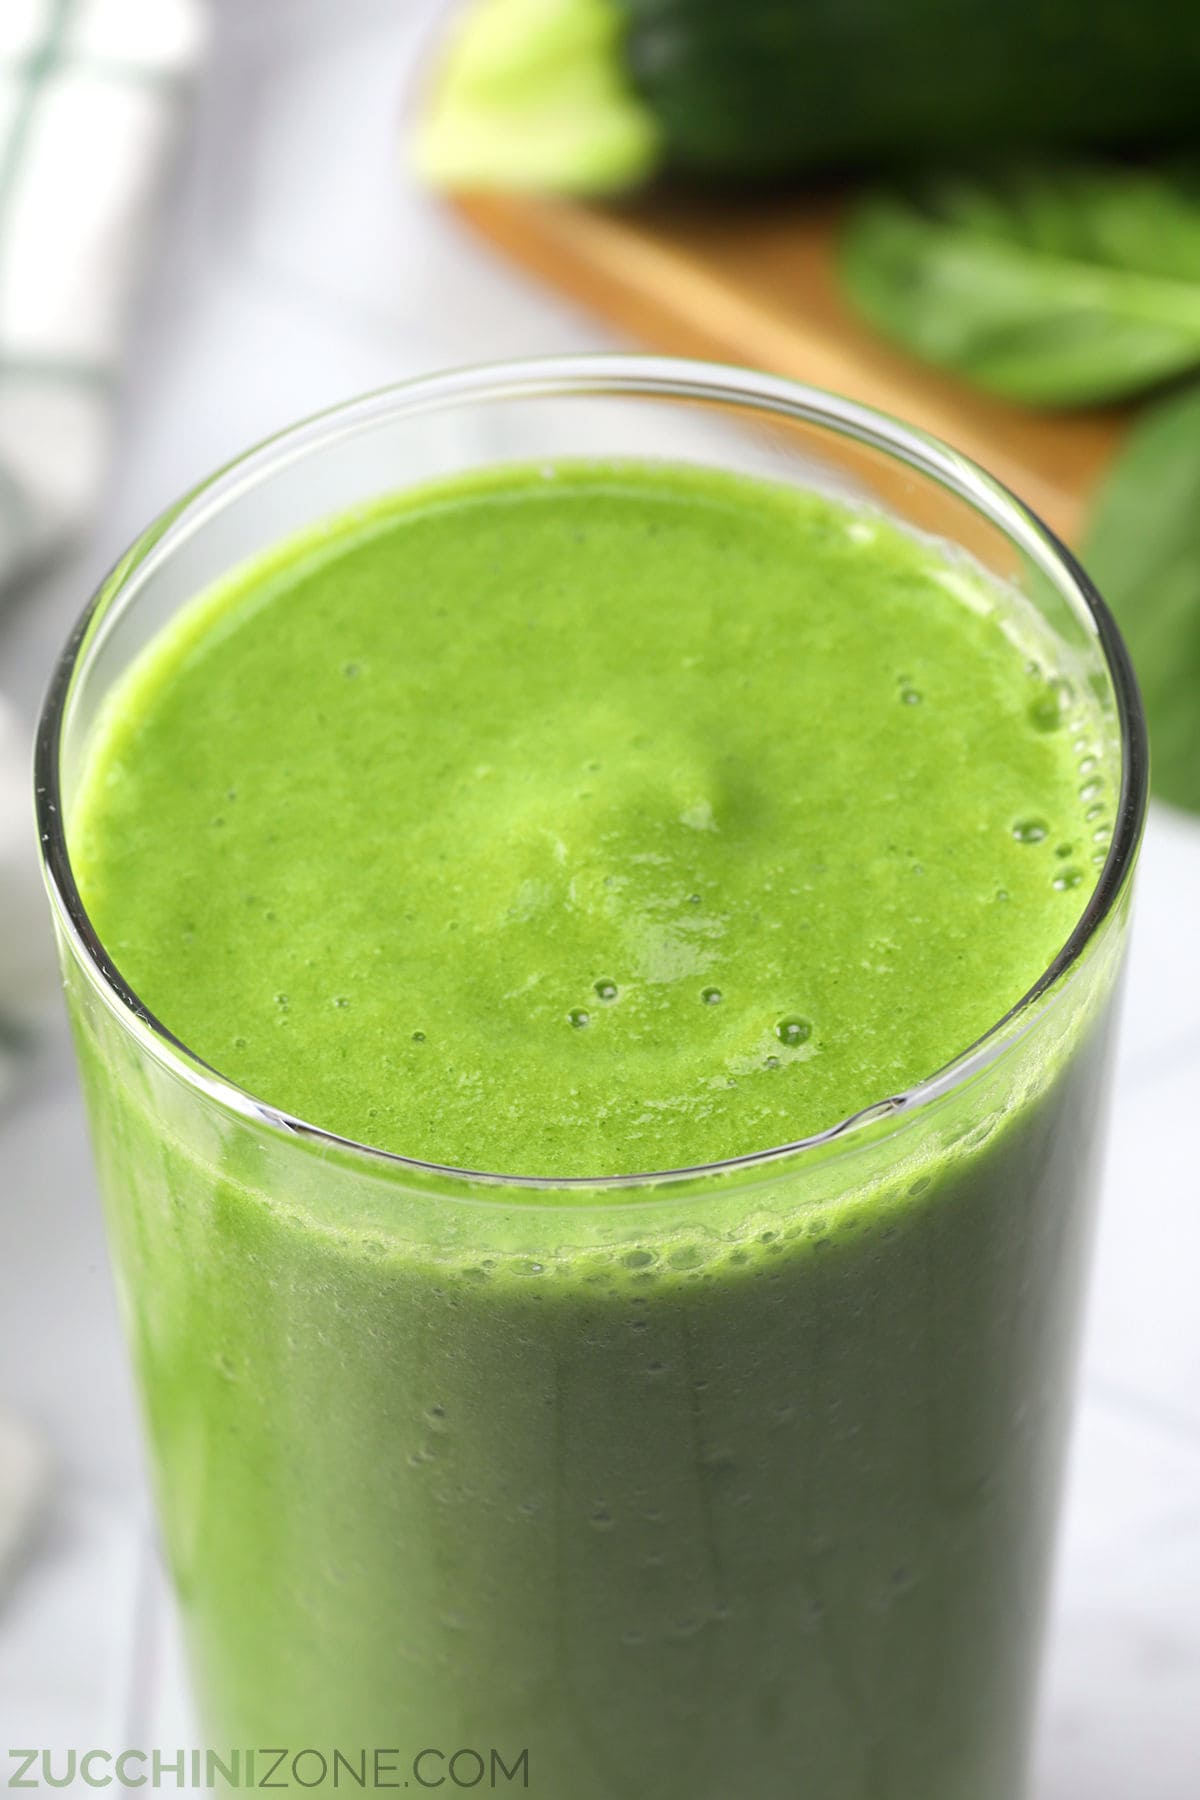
[(634, 376)]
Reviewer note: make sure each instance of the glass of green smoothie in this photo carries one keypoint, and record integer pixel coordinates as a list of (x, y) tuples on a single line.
[(591, 895)]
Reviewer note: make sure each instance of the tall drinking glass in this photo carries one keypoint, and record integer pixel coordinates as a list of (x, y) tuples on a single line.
[(735, 1480)]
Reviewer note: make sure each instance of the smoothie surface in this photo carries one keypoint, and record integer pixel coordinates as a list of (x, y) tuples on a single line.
[(593, 819)]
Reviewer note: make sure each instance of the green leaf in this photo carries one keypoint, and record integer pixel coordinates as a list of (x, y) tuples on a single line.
[(1143, 549), (1054, 287), (532, 96)]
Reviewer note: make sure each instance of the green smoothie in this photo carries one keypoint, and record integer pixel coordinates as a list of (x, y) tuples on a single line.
[(627, 818), (589, 821)]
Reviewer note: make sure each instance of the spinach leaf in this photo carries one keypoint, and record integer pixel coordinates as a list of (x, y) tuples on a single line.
[(1143, 549), (1051, 286)]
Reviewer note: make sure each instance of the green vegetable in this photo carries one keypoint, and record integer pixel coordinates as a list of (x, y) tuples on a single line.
[(1051, 287), (593, 94), (1143, 549), (532, 95)]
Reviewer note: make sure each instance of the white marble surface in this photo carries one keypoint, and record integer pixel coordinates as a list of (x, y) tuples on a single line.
[(299, 266)]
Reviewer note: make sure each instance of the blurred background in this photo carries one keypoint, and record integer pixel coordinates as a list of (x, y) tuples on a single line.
[(226, 234)]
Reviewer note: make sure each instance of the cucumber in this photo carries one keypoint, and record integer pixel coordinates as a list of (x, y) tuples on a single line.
[(596, 95)]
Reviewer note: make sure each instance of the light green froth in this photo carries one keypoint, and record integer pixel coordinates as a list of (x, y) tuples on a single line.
[(592, 820)]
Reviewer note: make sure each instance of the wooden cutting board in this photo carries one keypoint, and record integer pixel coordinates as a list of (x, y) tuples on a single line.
[(753, 282)]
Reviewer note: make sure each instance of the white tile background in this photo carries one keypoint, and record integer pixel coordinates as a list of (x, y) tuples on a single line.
[(298, 266)]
